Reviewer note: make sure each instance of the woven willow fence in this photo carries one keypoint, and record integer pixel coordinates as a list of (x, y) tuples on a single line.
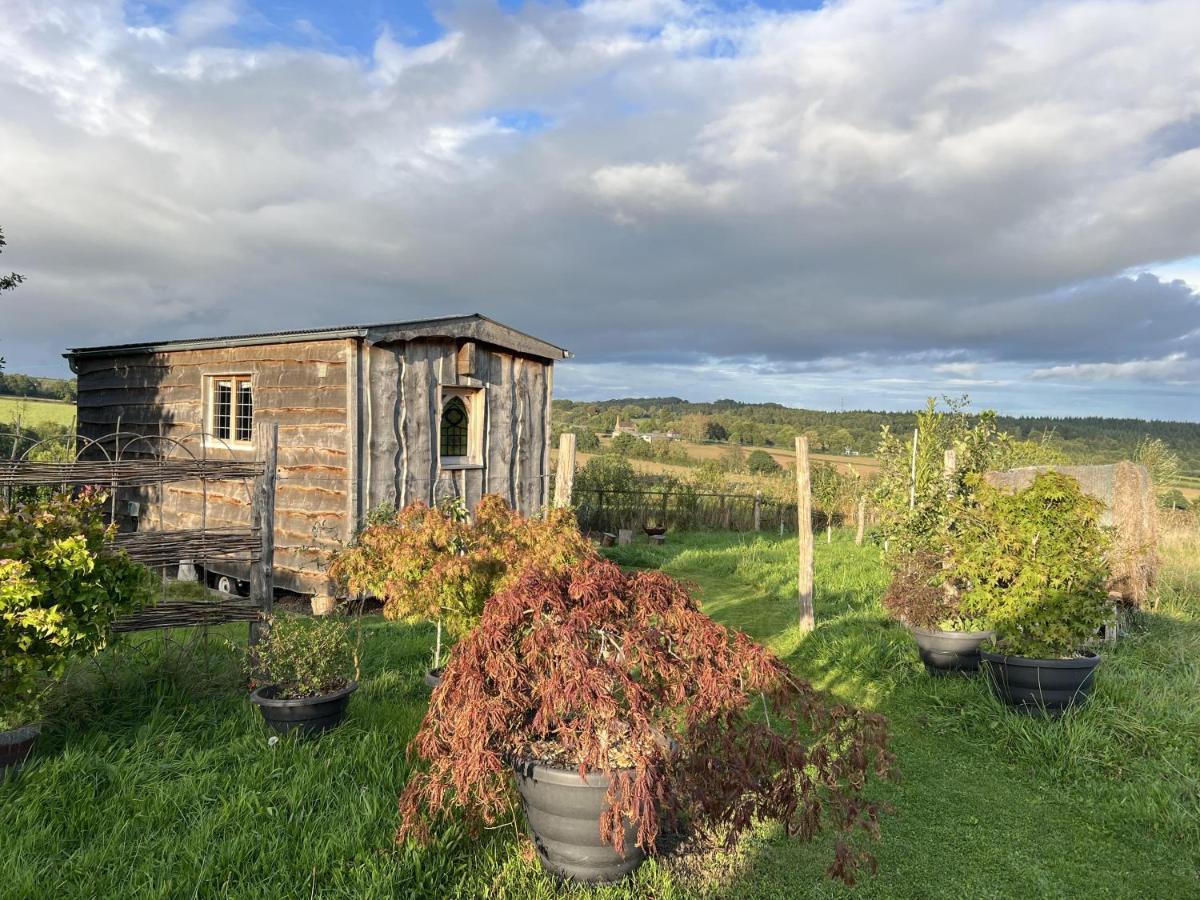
[(124, 463)]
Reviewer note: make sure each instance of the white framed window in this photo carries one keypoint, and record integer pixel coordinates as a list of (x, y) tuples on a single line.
[(460, 427), (231, 408)]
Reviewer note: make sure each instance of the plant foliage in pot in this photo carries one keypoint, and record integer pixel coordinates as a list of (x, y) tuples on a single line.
[(1032, 563), (440, 565), (303, 672), (61, 590), (947, 640), (618, 709)]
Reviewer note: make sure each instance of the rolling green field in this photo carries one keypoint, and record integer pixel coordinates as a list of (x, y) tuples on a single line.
[(32, 412), (155, 777)]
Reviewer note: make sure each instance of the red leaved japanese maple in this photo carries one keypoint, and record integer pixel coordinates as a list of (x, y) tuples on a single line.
[(622, 674)]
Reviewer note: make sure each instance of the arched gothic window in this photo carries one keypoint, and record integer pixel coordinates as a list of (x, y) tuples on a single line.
[(455, 428)]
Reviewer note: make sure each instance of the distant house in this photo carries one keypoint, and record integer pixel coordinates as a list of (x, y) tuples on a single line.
[(368, 415), (651, 436)]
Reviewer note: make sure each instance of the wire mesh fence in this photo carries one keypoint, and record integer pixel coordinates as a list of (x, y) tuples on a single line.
[(680, 510)]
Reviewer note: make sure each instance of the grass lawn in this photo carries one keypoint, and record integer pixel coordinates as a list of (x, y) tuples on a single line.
[(155, 777), (32, 412)]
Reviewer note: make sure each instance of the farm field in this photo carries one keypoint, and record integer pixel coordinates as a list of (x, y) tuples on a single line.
[(156, 778), (33, 412), (866, 466)]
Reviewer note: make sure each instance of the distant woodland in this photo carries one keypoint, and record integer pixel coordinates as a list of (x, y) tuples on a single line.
[(1083, 439)]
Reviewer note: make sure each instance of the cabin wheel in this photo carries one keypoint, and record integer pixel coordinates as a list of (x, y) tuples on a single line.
[(226, 585)]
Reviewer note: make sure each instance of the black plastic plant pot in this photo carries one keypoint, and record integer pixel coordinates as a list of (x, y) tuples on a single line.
[(950, 652), (563, 812), (1041, 686), (308, 716), (15, 747), (433, 677)]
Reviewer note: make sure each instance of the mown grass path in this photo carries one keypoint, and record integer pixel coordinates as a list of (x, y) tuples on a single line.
[(155, 777)]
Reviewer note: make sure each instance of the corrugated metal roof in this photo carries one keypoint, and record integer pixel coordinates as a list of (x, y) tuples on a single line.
[(295, 336)]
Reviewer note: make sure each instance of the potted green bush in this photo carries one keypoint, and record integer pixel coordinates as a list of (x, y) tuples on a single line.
[(617, 707), (439, 565), (61, 590), (303, 671), (1032, 564), (919, 597)]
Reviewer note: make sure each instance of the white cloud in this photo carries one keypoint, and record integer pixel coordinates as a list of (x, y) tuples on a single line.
[(1174, 368), (967, 181)]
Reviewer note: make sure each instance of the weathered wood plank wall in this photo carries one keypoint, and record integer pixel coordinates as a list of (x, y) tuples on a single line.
[(404, 412), (300, 386)]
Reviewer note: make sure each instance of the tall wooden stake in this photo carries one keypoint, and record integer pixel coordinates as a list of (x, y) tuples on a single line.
[(805, 534), (564, 476), (949, 468), (912, 481), (862, 522)]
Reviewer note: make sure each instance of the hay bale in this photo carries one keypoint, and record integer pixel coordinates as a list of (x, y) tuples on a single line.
[(1128, 497)]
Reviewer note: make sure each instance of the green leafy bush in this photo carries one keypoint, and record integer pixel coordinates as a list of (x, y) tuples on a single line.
[(912, 513), (61, 590), (304, 656), (760, 462), (1032, 564)]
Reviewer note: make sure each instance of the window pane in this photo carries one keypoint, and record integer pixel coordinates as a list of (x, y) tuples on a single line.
[(245, 412), (454, 428), (222, 409)]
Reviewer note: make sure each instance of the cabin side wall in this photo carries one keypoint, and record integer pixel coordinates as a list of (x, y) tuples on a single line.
[(401, 461), (306, 388)]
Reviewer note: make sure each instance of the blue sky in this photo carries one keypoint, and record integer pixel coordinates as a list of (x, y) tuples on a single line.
[(855, 204)]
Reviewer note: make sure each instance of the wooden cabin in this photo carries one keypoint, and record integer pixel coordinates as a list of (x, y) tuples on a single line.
[(367, 416)]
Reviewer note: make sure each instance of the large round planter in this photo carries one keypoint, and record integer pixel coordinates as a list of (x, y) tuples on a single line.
[(308, 716), (950, 652), (15, 747), (1040, 686), (563, 812), (433, 677)]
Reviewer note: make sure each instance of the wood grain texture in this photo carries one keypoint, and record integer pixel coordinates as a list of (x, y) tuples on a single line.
[(355, 430)]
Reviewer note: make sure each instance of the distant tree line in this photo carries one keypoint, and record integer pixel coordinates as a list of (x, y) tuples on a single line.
[(15, 385), (1088, 439)]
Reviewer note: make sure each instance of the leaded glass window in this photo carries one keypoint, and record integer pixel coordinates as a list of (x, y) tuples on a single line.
[(455, 428)]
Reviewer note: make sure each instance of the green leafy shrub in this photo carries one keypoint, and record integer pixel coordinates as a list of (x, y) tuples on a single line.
[(760, 462), (304, 656), (1031, 563), (61, 590)]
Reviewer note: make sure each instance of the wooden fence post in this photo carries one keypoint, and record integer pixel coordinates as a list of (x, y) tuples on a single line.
[(805, 535), (758, 510), (912, 483), (262, 517), (564, 479), (862, 522), (949, 467)]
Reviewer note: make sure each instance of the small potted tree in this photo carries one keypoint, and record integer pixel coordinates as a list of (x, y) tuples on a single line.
[(61, 589), (617, 707), (1032, 564), (439, 565), (303, 672), (920, 597)]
